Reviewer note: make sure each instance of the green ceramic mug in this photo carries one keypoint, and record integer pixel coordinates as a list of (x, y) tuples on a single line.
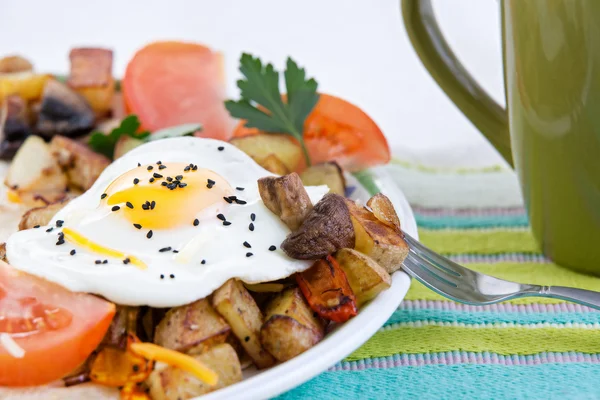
[(551, 127)]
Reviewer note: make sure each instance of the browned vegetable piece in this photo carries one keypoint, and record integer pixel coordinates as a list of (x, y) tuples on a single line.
[(286, 197), (12, 64), (383, 210), (42, 215), (367, 278), (63, 112), (376, 239), (91, 77), (237, 306), (290, 327), (192, 328), (263, 145), (124, 322), (273, 164), (327, 228), (25, 84), (329, 173), (15, 125), (3, 252), (169, 383), (82, 165)]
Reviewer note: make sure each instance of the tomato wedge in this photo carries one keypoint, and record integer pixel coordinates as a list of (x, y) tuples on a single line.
[(337, 130), (58, 329), (173, 83)]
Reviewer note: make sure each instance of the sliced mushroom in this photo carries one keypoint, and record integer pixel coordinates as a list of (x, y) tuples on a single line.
[(15, 125)]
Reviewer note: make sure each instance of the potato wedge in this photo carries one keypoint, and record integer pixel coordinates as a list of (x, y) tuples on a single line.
[(367, 278), (82, 165), (263, 145), (290, 326), (273, 164), (91, 77), (168, 383), (192, 328), (383, 210), (286, 197), (34, 173), (239, 309), (27, 85), (329, 173), (376, 239), (42, 215), (327, 228), (12, 64)]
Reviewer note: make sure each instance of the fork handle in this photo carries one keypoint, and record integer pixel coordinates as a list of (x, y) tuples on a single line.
[(580, 296)]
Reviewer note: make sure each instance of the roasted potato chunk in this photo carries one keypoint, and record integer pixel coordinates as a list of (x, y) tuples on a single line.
[(273, 164), (168, 383), (327, 228), (383, 210), (3, 252), (367, 278), (91, 77), (12, 64), (124, 322), (82, 165), (376, 239), (263, 145), (27, 85), (329, 173), (290, 327), (239, 309), (286, 197), (192, 328), (42, 215)]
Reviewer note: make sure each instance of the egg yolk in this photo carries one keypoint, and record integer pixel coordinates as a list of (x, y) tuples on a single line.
[(161, 196)]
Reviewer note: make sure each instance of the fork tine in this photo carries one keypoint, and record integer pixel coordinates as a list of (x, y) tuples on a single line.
[(428, 279), (434, 259), (433, 273)]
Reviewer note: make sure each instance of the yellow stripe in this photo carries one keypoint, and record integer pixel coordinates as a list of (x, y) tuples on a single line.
[(430, 339), (476, 241)]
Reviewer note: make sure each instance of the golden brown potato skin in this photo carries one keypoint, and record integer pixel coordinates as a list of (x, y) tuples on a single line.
[(239, 309), (91, 77), (383, 210), (327, 228), (367, 278), (273, 164), (377, 240), (191, 328), (290, 327), (168, 383), (286, 197), (42, 215), (82, 165), (329, 173), (263, 145), (3, 252), (14, 63)]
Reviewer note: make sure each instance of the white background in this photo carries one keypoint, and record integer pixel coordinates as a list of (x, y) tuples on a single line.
[(356, 49)]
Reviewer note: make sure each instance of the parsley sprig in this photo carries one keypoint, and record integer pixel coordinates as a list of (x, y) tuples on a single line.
[(105, 144), (262, 105)]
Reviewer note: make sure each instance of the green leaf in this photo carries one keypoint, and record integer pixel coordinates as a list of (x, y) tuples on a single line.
[(175, 131), (105, 144)]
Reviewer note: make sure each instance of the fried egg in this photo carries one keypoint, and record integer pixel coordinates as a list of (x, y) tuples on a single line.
[(164, 225)]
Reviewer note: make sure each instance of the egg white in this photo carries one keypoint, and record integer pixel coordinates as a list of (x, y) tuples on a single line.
[(221, 247)]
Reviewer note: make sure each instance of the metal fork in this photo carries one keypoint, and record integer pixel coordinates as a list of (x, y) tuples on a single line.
[(463, 285)]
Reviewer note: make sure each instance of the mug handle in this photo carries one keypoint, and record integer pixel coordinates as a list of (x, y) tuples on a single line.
[(435, 54)]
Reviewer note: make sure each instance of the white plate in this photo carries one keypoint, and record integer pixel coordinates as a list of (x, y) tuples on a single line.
[(347, 337)]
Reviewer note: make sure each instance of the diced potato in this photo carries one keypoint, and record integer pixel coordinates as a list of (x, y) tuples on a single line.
[(192, 328), (82, 165), (290, 327), (329, 173), (91, 77), (262, 145), (237, 306), (383, 210), (286, 197), (273, 164), (35, 174), (377, 240), (42, 215), (126, 144), (27, 85), (3, 252), (367, 278), (12, 64), (168, 383)]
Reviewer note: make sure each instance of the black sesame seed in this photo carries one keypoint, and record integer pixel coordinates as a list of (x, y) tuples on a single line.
[(194, 168), (61, 235), (232, 198), (252, 217), (172, 276), (126, 261), (163, 183), (186, 169), (151, 180), (169, 179), (196, 222), (182, 185), (152, 205), (150, 168), (179, 177), (209, 186), (60, 241), (227, 199), (175, 251), (226, 223), (59, 223), (239, 188), (220, 148), (241, 202), (105, 262), (165, 249), (246, 244), (251, 227), (162, 276), (157, 176), (210, 181), (172, 185), (145, 206), (115, 208), (162, 166), (103, 196), (37, 226), (128, 204), (158, 162), (272, 248), (221, 217), (249, 254), (50, 229), (203, 262), (247, 338), (139, 165), (138, 226), (98, 262), (149, 234), (72, 252), (136, 181)]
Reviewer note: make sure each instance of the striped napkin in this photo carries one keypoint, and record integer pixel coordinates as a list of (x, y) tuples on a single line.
[(432, 348)]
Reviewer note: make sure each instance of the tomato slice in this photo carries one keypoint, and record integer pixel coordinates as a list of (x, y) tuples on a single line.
[(172, 83), (58, 329), (337, 130)]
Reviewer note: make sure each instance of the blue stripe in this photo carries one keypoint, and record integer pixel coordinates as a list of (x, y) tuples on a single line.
[(468, 381), (466, 222), (487, 317)]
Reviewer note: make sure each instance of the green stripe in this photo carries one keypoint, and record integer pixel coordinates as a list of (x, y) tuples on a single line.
[(535, 273), (470, 222), (503, 341), (494, 241)]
